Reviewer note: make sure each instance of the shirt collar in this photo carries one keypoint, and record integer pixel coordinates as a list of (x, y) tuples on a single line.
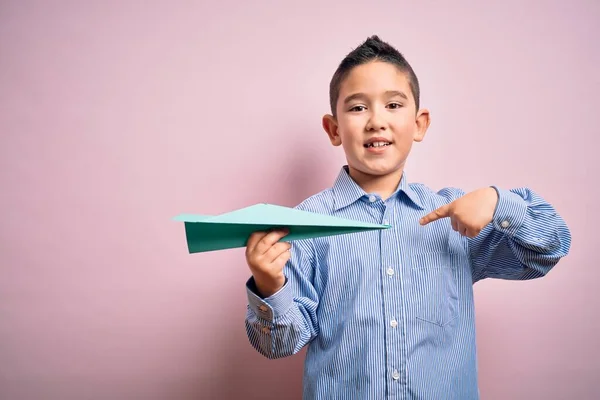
[(346, 191)]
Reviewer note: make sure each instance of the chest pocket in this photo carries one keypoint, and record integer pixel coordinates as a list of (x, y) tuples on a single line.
[(435, 288)]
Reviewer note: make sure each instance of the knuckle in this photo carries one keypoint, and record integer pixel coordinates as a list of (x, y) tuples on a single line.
[(253, 262), (258, 257), (256, 235), (275, 247)]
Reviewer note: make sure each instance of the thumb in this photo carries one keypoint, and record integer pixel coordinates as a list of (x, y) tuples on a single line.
[(442, 212)]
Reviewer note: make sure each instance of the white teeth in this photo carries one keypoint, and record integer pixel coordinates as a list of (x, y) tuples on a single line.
[(377, 144)]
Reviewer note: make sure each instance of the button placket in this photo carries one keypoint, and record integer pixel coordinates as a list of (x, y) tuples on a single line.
[(391, 266)]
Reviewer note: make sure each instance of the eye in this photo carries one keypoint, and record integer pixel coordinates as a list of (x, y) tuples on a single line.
[(358, 108), (394, 106)]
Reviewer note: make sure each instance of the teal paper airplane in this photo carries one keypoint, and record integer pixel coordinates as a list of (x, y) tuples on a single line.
[(231, 230)]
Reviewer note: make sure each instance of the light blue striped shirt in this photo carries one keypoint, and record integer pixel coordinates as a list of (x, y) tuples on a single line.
[(389, 314)]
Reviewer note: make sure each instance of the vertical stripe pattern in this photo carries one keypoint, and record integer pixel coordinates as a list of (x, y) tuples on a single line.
[(389, 314)]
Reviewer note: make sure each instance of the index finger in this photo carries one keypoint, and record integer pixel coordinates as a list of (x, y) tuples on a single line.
[(268, 240), (441, 212), (254, 238)]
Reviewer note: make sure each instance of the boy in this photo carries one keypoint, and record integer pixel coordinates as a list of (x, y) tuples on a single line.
[(389, 314)]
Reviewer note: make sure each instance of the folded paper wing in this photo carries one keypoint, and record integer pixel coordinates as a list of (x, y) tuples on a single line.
[(231, 230)]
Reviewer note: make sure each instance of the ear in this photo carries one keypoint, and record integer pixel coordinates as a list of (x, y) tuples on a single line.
[(331, 127), (422, 122)]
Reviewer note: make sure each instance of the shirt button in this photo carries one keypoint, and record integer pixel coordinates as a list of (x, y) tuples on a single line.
[(266, 330), (396, 375), (372, 199), (505, 224), (263, 308), (394, 323), (385, 222), (390, 271)]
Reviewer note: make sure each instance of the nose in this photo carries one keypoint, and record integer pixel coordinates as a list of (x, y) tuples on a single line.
[(376, 122)]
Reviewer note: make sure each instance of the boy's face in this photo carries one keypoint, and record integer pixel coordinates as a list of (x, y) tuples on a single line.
[(376, 121)]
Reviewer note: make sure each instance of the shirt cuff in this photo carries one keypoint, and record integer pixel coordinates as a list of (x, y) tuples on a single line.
[(510, 212), (270, 307)]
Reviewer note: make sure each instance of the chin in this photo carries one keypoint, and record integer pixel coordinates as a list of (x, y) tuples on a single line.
[(378, 170), (384, 172)]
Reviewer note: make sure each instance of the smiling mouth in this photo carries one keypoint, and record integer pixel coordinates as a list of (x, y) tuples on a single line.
[(377, 144)]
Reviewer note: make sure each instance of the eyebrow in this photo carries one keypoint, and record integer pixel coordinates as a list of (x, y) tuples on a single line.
[(389, 93)]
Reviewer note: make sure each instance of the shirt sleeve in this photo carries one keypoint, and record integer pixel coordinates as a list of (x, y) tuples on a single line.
[(282, 324), (525, 239)]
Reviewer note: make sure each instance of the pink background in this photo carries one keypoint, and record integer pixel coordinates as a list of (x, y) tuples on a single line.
[(116, 117)]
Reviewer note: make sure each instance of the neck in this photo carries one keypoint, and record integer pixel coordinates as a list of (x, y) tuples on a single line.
[(383, 185)]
